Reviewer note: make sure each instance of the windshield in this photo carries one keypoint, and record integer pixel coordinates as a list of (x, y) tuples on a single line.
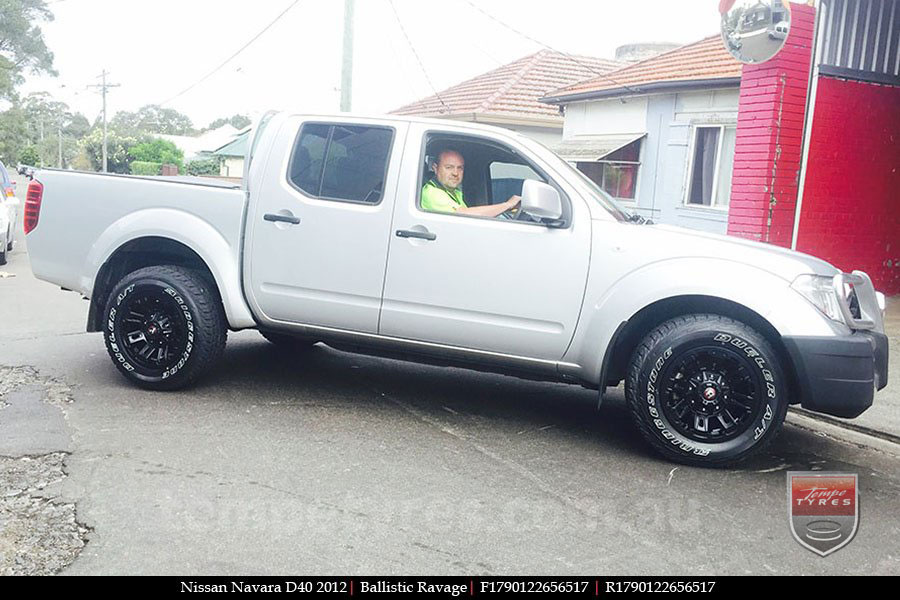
[(601, 196)]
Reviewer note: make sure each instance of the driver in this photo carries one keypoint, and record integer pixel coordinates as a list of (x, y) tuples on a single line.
[(442, 193)]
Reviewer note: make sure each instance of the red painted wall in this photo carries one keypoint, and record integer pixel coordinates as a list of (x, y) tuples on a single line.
[(769, 140), (851, 202)]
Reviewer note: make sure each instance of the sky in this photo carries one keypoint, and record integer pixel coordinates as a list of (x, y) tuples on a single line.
[(156, 50)]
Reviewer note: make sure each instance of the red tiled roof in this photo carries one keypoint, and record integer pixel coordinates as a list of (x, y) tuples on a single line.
[(706, 60), (513, 89)]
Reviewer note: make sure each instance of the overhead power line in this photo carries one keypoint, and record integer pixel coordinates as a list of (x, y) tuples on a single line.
[(418, 59), (233, 56), (549, 47)]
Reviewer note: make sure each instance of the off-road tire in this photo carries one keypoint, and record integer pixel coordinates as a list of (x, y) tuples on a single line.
[(702, 365), (191, 311)]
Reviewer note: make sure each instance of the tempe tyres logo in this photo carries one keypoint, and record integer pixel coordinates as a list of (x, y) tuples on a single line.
[(823, 509)]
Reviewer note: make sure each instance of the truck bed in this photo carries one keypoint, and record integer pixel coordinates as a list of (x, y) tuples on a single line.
[(84, 215)]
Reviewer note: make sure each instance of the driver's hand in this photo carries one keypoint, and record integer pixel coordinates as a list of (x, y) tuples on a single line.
[(513, 201)]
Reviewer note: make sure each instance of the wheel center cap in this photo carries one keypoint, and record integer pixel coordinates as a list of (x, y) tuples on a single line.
[(152, 329), (710, 393)]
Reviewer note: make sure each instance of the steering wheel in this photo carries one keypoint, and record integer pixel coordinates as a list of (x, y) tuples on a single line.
[(515, 213)]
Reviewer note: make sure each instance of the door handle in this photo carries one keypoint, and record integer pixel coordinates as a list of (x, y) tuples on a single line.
[(421, 235), (273, 218)]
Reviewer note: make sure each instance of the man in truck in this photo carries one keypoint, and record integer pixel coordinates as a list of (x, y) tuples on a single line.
[(443, 192)]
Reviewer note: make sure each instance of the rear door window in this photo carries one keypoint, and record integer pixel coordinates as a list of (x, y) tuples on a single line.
[(341, 162)]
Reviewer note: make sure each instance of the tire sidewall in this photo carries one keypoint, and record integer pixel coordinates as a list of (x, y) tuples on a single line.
[(756, 355), (111, 328)]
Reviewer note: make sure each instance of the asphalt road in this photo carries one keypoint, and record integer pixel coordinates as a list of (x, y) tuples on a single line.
[(333, 463)]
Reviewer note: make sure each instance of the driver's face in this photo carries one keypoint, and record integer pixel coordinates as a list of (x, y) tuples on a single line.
[(449, 169)]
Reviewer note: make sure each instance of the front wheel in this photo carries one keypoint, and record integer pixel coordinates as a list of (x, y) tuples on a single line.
[(706, 390), (164, 326)]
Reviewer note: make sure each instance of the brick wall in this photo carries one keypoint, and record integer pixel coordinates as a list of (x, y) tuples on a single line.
[(769, 140), (851, 200)]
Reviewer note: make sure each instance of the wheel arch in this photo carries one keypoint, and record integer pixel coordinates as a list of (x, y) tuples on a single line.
[(140, 252), (631, 332)]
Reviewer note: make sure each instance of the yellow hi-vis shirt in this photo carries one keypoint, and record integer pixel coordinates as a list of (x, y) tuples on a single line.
[(437, 198)]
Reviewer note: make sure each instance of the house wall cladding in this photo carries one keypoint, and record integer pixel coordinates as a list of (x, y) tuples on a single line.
[(768, 148), (850, 215)]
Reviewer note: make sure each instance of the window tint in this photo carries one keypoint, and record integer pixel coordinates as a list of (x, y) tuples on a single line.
[(309, 154), (342, 162), (507, 179)]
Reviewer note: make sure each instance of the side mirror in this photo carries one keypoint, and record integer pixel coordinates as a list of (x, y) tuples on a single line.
[(541, 200)]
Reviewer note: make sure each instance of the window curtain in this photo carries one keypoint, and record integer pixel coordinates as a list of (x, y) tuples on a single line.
[(704, 166)]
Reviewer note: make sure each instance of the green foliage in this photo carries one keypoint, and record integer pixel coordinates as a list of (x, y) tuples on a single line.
[(237, 121), (152, 119), (158, 151), (209, 166), (13, 135), (139, 167), (118, 145), (50, 124), (22, 47), (29, 156)]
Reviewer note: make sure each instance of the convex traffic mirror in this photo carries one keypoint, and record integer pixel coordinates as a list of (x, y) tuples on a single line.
[(755, 30)]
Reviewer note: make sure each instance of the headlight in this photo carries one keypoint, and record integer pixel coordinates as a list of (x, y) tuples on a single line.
[(819, 290)]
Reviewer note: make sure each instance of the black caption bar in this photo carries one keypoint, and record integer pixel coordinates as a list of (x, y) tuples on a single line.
[(465, 587)]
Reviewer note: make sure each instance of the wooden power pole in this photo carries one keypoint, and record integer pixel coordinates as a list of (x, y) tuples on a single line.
[(103, 87), (347, 62)]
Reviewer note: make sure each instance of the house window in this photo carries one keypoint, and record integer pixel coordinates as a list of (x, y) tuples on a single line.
[(709, 171), (616, 173)]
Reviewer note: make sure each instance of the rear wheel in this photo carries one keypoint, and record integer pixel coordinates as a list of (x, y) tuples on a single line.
[(164, 326), (706, 390)]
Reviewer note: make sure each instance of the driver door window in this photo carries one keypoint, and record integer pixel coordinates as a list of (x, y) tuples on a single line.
[(507, 179)]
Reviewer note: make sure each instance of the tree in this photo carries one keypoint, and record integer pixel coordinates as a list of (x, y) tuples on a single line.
[(53, 126), (29, 156), (157, 151), (22, 47), (119, 145), (237, 121), (204, 166), (152, 119), (13, 135)]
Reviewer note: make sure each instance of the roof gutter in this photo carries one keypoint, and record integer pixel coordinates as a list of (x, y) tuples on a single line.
[(660, 86)]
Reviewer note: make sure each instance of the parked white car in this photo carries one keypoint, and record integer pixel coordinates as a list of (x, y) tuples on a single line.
[(9, 212), (327, 241), (779, 31)]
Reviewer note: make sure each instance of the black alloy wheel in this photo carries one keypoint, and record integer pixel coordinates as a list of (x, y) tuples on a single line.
[(165, 326), (710, 394), (153, 329), (706, 390)]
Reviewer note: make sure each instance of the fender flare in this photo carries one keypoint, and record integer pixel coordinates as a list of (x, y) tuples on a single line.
[(221, 259)]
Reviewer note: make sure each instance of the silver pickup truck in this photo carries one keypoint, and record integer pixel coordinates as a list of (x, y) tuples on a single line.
[(327, 241)]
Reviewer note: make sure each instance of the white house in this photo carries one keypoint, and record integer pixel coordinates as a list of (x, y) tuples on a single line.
[(204, 144), (659, 134)]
